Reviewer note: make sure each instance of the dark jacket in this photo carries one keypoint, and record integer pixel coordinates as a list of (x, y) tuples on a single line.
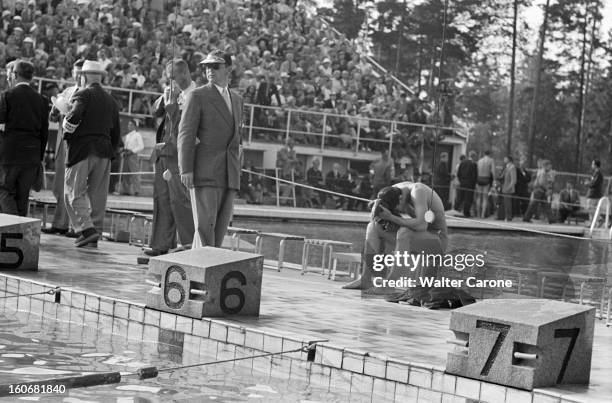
[(442, 175), (167, 132), (523, 177), (467, 174), (98, 132), (595, 186), (25, 115)]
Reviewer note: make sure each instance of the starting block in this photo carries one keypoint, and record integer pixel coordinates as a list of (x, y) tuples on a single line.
[(206, 282), (19, 242), (523, 343)]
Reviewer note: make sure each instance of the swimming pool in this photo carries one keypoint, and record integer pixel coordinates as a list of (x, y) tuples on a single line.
[(507, 254), (33, 347)]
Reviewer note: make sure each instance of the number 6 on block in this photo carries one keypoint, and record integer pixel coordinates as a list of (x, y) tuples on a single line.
[(206, 282), (523, 343), (19, 242)]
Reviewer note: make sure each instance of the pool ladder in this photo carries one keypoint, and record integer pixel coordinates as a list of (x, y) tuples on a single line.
[(598, 211)]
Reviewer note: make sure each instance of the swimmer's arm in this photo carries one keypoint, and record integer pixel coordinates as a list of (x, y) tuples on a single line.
[(418, 222)]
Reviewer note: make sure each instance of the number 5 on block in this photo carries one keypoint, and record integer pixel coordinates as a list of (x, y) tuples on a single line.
[(206, 282), (19, 242), (523, 343)]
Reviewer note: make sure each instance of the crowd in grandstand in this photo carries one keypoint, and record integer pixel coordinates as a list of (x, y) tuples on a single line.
[(282, 56)]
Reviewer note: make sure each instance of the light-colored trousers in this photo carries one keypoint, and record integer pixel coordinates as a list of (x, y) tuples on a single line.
[(215, 207), (60, 217), (86, 191)]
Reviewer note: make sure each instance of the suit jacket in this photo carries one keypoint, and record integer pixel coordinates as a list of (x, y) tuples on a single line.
[(467, 174), (167, 132), (95, 114), (595, 185), (215, 158), (25, 115), (509, 176)]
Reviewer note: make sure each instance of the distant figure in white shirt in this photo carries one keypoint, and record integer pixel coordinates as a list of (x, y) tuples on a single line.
[(133, 145)]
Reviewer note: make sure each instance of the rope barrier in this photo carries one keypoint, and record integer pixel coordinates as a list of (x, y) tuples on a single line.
[(152, 372), (50, 292), (107, 378), (293, 183), (490, 223), (532, 230)]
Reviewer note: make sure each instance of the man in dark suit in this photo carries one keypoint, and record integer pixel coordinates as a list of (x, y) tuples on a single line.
[(171, 203), (24, 112), (92, 134), (442, 179), (209, 148), (467, 174)]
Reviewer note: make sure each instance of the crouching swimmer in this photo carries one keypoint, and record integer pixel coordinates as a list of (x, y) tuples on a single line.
[(388, 232)]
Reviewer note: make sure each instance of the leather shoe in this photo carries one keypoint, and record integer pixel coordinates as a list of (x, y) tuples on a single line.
[(87, 236), (54, 230), (154, 252)]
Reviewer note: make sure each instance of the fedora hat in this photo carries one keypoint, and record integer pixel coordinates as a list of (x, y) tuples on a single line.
[(90, 66), (217, 56)]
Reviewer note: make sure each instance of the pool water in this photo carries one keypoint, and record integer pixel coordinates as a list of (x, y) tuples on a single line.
[(37, 348), (503, 250)]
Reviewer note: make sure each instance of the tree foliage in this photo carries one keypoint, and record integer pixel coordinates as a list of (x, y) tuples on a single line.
[(574, 108)]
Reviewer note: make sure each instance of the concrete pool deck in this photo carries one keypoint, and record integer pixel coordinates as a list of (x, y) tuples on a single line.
[(398, 343), (145, 204)]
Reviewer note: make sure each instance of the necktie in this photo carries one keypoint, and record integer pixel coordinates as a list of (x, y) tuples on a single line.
[(227, 100)]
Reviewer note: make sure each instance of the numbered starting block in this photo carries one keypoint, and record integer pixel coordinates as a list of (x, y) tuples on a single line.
[(206, 282), (19, 242), (523, 343)]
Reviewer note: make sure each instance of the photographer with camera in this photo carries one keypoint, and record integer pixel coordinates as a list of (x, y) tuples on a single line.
[(388, 231)]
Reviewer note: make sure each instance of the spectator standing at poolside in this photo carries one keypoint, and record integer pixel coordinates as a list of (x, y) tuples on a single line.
[(212, 115), (508, 186), (484, 180), (523, 177), (92, 133), (442, 179), (595, 191), (467, 174), (132, 146), (542, 192), (25, 115), (172, 214), (382, 173), (61, 221)]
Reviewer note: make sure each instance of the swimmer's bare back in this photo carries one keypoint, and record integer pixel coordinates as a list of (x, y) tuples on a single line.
[(429, 199)]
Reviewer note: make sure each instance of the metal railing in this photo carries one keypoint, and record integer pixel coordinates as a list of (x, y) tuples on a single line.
[(326, 129), (121, 94), (377, 66), (276, 124)]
